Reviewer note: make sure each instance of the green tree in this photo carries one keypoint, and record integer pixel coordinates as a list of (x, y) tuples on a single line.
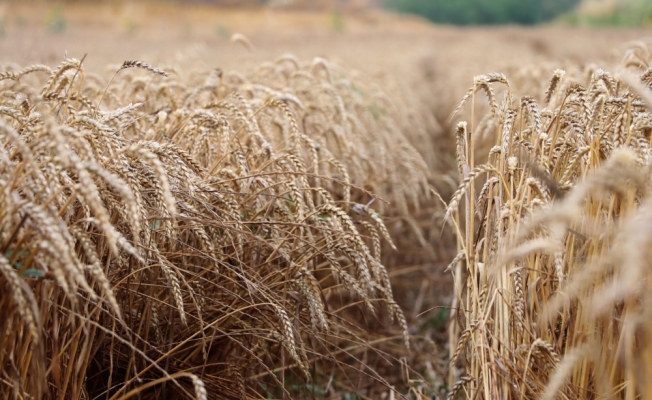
[(466, 12)]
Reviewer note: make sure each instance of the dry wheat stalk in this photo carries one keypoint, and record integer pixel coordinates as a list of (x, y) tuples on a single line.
[(183, 212), (552, 244), (142, 65)]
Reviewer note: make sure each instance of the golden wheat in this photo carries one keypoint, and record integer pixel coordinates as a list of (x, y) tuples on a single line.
[(153, 230), (553, 273)]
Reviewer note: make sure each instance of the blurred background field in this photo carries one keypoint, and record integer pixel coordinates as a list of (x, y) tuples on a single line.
[(361, 35), (418, 57)]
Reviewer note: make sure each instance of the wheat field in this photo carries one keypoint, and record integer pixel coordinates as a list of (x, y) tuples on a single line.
[(228, 225), (270, 204), (553, 271)]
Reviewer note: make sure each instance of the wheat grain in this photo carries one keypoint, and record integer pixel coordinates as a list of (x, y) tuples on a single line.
[(142, 65)]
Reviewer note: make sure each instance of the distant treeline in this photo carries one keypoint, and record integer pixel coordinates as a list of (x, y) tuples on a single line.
[(626, 13), (472, 12)]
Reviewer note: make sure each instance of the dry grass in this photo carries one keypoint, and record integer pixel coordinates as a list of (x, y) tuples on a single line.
[(552, 278), (219, 237)]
